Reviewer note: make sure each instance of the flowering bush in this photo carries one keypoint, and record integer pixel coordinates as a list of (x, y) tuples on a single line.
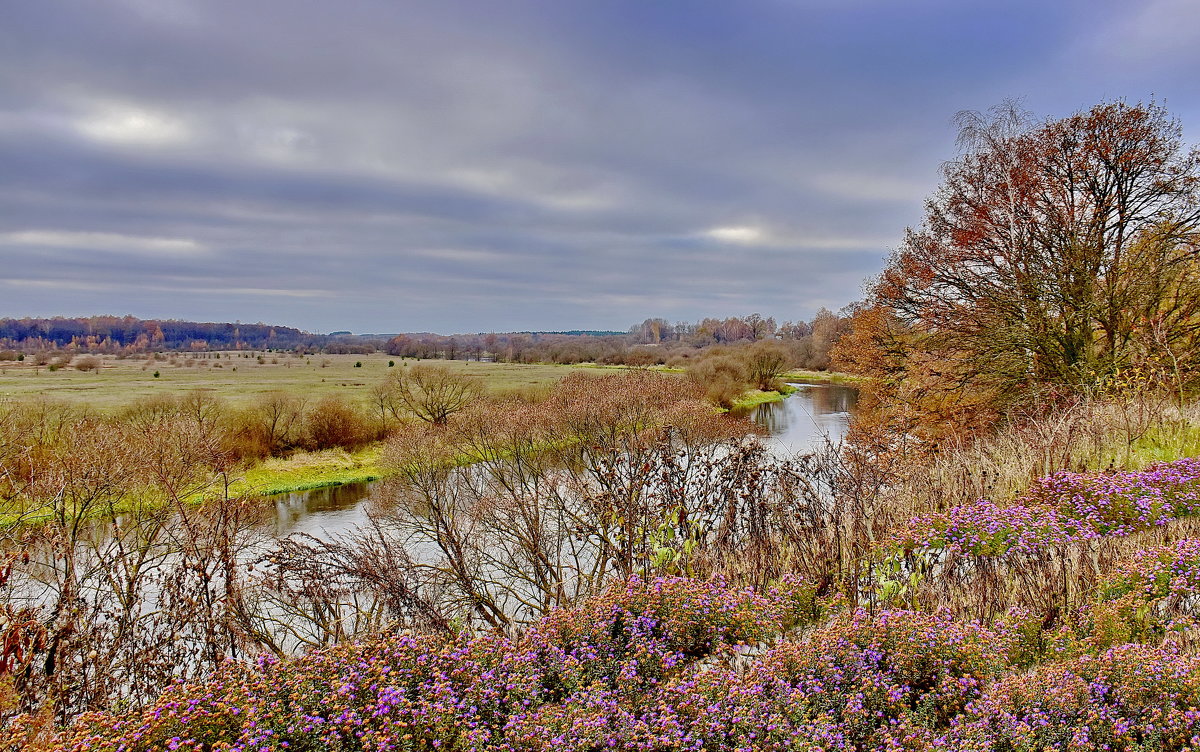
[(1063, 508), (1134, 697), (668, 665), (884, 679), (1157, 573), (1152, 593), (580, 678)]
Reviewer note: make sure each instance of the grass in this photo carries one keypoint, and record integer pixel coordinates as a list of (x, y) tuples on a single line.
[(1170, 440), (831, 377), (758, 397), (239, 378), (308, 470)]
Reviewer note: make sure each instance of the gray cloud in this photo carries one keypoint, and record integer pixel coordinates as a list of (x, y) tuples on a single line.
[(464, 165)]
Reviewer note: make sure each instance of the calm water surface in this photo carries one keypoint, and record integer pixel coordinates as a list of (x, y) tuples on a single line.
[(804, 420), (799, 423)]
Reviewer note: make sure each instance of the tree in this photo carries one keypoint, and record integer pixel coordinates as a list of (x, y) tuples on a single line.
[(1051, 248), (433, 393), (794, 330), (277, 417), (760, 328)]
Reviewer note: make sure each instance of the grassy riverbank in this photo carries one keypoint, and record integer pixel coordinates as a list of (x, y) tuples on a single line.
[(830, 377), (308, 470), (304, 471), (1169, 440), (121, 382), (756, 397)]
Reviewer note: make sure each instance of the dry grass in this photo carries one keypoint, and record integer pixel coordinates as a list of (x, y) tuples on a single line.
[(1127, 434)]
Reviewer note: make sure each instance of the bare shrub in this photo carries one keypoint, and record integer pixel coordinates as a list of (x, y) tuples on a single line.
[(722, 377), (333, 422), (765, 362), (121, 587)]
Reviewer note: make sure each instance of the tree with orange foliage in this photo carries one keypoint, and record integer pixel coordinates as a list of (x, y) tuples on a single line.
[(1051, 253)]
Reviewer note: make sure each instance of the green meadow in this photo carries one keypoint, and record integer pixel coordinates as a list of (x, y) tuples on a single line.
[(240, 377)]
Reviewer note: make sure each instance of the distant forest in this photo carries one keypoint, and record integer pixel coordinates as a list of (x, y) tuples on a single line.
[(654, 341), (114, 334)]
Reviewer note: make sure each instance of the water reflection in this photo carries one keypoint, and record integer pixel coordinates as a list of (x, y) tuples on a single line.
[(322, 512)]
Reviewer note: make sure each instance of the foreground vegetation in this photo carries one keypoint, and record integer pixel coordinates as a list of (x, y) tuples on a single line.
[(622, 567), (681, 663)]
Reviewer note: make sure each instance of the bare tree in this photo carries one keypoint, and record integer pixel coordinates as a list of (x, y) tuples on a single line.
[(433, 393)]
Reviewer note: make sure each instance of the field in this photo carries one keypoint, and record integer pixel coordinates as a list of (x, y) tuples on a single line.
[(240, 377)]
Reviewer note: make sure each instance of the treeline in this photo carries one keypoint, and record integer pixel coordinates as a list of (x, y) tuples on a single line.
[(653, 342), (113, 334)]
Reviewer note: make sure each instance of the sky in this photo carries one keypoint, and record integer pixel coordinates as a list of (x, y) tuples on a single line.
[(494, 165)]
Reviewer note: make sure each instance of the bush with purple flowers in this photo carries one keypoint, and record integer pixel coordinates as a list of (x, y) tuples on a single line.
[(675, 664), (1066, 507), (1134, 697)]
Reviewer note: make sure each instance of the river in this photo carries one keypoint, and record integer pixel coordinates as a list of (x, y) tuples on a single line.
[(797, 424)]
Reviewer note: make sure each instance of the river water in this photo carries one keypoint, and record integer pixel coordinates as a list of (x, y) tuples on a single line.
[(800, 423)]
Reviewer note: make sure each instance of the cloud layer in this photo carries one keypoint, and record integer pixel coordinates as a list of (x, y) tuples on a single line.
[(452, 166)]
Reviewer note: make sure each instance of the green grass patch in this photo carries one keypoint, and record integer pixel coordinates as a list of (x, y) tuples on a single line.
[(757, 397), (830, 377), (307, 470), (1169, 441)]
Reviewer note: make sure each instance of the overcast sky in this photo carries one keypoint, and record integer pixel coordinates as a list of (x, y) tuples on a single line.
[(462, 166)]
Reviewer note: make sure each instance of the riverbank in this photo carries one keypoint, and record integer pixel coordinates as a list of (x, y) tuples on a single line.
[(756, 397), (305, 471), (826, 377)]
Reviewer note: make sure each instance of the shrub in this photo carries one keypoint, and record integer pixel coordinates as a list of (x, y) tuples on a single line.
[(1133, 697), (880, 679), (723, 378), (765, 363), (1149, 595), (1064, 508), (333, 422)]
